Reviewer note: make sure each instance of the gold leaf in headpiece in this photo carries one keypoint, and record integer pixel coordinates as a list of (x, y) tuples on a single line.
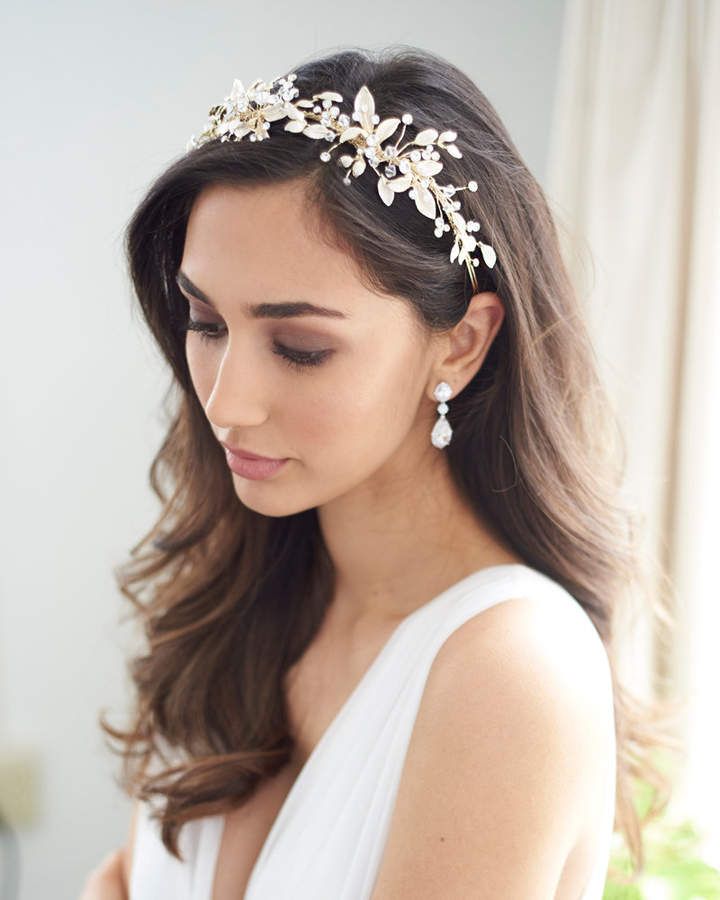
[(401, 184), (273, 113), (428, 167), (329, 95), (365, 108), (427, 136), (296, 125), (386, 192), (350, 133), (425, 201), (385, 129), (488, 254), (316, 131)]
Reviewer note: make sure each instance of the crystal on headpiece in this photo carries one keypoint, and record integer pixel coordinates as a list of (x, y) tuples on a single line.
[(250, 112)]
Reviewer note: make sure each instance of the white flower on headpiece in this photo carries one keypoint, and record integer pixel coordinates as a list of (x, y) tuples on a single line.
[(252, 111)]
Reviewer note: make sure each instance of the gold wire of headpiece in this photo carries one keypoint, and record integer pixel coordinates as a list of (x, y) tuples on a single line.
[(251, 111)]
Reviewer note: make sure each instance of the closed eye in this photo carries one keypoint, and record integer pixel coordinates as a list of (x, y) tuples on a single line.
[(295, 358)]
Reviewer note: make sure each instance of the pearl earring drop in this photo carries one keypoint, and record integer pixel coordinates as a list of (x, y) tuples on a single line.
[(442, 432)]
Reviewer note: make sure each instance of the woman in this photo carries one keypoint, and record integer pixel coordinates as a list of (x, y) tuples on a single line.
[(380, 661)]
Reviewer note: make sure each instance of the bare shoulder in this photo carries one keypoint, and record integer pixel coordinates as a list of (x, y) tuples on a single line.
[(530, 632), (512, 735)]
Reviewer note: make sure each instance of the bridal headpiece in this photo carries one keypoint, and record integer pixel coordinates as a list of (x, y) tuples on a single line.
[(250, 111)]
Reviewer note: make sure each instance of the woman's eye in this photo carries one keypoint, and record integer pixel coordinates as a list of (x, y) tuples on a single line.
[(208, 331), (299, 359)]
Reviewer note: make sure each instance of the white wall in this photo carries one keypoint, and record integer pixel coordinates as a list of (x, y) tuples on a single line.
[(98, 99)]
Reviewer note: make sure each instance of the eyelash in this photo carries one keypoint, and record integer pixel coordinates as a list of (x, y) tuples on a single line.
[(296, 359)]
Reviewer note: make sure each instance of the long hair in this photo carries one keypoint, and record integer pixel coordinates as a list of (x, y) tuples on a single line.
[(234, 597)]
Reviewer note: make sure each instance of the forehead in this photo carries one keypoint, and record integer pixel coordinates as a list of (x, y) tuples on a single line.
[(261, 242)]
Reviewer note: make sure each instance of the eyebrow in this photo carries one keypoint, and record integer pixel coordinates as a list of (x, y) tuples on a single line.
[(284, 310)]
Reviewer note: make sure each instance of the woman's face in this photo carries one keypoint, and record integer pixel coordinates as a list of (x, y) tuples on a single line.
[(343, 396)]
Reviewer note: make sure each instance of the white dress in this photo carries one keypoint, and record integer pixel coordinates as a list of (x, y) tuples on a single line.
[(327, 840)]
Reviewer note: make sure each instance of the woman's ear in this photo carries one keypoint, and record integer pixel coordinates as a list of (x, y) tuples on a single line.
[(462, 350)]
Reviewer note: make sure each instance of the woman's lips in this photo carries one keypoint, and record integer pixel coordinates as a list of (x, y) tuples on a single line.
[(255, 468), (247, 454)]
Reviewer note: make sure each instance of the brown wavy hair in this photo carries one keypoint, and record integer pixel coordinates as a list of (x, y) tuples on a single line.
[(234, 597)]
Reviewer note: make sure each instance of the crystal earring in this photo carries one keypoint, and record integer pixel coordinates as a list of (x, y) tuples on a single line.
[(442, 432)]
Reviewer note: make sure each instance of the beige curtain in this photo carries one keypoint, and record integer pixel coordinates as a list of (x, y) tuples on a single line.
[(634, 182)]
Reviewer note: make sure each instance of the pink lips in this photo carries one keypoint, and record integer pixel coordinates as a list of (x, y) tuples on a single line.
[(238, 451), (252, 466)]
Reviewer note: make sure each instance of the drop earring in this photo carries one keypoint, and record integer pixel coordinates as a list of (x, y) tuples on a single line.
[(442, 432)]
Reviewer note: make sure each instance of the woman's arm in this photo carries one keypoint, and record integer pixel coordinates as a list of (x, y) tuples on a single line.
[(505, 761), (111, 879), (107, 881)]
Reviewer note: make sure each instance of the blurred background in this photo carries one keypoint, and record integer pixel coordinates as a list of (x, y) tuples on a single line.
[(614, 107)]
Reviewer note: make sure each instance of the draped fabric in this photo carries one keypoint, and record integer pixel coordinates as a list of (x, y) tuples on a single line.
[(328, 838)]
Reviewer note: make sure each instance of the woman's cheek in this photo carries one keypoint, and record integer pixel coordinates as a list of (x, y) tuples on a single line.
[(336, 414)]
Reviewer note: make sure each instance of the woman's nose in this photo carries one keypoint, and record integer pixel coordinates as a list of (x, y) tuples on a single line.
[(238, 396)]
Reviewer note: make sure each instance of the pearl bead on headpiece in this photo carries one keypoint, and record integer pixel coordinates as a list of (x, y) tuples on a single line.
[(251, 111)]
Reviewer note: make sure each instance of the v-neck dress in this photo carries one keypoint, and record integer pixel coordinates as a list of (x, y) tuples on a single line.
[(327, 840)]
